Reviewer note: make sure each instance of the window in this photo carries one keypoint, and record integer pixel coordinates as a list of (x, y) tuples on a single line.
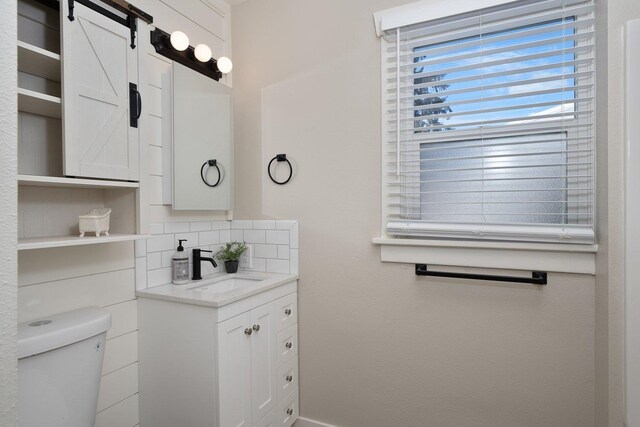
[(489, 124)]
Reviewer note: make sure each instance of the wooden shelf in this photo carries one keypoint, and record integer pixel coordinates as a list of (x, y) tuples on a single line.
[(39, 103), (63, 241), (39, 62), (64, 182)]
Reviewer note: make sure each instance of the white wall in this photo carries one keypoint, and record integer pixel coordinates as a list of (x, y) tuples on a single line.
[(610, 263), (206, 21), (379, 346), (63, 279), (57, 280), (8, 213)]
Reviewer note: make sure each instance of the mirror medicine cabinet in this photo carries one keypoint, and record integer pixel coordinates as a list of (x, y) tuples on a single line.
[(202, 142)]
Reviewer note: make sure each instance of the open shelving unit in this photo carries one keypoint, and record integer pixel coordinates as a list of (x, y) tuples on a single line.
[(63, 241), (65, 182), (38, 62), (49, 202), (33, 102)]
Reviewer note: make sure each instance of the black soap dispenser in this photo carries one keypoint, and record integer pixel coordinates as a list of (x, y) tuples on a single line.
[(180, 265)]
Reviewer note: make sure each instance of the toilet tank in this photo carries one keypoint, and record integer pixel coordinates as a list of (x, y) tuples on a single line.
[(59, 368)]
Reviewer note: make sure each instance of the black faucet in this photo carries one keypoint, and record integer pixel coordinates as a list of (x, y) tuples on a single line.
[(197, 259)]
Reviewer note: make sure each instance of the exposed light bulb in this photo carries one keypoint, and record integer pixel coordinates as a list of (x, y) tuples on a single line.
[(224, 64), (179, 40), (202, 52)]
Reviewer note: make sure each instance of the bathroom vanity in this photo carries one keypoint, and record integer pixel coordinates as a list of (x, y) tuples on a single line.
[(219, 352)]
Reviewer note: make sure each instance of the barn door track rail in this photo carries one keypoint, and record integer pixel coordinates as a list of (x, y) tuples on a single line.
[(128, 20)]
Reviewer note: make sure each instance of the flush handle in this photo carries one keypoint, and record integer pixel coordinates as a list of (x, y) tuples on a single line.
[(287, 312), (288, 345), (248, 331), (289, 378), (256, 328)]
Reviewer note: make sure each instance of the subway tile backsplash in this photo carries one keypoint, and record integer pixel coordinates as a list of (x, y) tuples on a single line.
[(274, 245)]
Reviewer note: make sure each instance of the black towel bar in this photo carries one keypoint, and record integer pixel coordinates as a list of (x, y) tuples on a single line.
[(537, 277)]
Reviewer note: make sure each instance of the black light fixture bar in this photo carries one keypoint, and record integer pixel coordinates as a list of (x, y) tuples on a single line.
[(537, 277), (161, 41)]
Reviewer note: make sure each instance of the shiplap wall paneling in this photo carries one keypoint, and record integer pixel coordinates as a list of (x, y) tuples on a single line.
[(61, 279), (45, 265), (126, 413), (158, 132), (58, 280), (205, 21), (117, 386), (142, 196)]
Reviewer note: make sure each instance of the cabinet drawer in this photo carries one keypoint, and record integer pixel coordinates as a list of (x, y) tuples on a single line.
[(269, 420), (287, 309), (287, 344), (287, 378), (288, 412)]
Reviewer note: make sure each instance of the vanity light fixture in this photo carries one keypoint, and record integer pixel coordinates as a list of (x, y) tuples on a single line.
[(179, 41), (176, 47), (203, 53), (224, 65)]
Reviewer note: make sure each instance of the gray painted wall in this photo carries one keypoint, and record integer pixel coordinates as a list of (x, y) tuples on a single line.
[(379, 347)]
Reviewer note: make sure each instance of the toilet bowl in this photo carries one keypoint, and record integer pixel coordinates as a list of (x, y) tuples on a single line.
[(59, 368)]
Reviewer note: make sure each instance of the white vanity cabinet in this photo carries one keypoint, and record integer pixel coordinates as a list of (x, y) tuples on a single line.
[(247, 366), (220, 366)]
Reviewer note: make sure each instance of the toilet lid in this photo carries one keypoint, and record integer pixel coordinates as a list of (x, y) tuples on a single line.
[(51, 332)]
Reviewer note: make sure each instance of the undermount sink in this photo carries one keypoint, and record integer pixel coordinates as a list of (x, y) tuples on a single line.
[(227, 284)]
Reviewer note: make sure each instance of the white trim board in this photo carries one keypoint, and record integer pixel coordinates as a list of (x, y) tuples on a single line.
[(307, 422), (427, 10), (632, 229), (559, 258)]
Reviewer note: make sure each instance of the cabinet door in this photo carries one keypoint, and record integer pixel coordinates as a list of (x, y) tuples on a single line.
[(234, 371), (263, 361), (202, 131), (97, 65)]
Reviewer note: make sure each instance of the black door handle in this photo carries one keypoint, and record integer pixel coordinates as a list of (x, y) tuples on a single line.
[(139, 104), (135, 105)]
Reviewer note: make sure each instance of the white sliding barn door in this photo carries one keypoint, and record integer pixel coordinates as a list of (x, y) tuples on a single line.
[(97, 66)]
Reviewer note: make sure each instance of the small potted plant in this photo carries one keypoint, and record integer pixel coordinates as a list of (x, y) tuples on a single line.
[(230, 253)]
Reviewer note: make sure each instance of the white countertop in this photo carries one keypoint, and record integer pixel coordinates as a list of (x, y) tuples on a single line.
[(190, 295)]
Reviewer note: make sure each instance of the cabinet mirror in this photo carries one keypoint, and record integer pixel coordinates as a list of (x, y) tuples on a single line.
[(202, 142)]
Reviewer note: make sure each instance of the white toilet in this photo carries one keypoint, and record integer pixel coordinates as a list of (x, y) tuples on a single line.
[(59, 368)]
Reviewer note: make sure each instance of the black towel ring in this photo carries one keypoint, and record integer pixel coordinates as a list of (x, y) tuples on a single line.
[(280, 158), (213, 163)]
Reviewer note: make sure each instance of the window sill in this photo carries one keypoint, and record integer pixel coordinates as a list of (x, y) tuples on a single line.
[(551, 257)]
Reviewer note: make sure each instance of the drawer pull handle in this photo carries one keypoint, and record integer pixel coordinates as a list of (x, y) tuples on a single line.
[(289, 411), (288, 345), (256, 328), (289, 378), (287, 312), (248, 331)]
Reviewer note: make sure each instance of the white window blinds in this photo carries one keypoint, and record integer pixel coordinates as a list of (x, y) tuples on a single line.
[(489, 124)]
